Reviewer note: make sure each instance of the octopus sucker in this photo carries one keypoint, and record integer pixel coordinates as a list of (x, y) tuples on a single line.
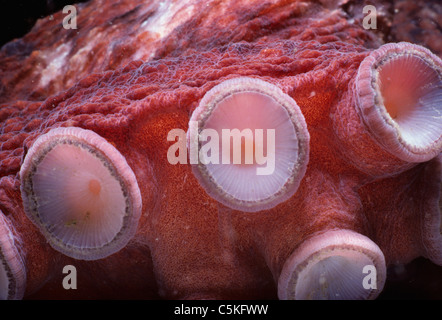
[(81, 193), (110, 134), (328, 267), (235, 177), (399, 97), (12, 268)]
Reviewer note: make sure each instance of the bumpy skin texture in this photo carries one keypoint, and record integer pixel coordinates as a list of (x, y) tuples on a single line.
[(187, 244)]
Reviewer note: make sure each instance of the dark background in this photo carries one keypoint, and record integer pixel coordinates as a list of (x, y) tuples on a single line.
[(17, 17)]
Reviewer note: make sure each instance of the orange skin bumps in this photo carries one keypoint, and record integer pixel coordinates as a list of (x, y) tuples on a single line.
[(188, 245)]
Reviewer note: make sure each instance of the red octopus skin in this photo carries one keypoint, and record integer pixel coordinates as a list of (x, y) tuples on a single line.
[(132, 86)]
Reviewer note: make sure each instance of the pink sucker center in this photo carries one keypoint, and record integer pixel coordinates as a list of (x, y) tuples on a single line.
[(403, 81)]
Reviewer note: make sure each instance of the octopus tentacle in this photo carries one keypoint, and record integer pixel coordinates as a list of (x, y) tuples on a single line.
[(416, 208)]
